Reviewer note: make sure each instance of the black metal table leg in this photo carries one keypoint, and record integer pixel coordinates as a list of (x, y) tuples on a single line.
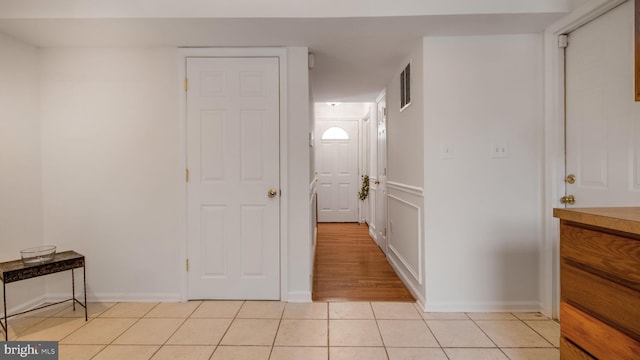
[(86, 304), (73, 289), (4, 304)]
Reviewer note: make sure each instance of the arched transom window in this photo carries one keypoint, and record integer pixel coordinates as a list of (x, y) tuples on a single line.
[(335, 133)]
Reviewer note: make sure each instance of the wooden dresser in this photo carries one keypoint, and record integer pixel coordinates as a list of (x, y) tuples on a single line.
[(599, 283)]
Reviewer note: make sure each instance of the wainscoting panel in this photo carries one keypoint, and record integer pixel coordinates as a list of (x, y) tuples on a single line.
[(405, 233)]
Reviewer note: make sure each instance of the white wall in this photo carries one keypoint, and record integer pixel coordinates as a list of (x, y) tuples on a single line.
[(20, 180), (405, 164), (111, 177), (298, 180), (483, 215)]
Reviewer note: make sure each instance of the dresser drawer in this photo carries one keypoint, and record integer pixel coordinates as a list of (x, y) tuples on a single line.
[(596, 337), (569, 351), (611, 255), (615, 304)]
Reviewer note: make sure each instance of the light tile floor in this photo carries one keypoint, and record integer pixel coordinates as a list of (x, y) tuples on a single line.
[(255, 330)]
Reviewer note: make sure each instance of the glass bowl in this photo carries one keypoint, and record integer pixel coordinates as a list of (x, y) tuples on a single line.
[(38, 255)]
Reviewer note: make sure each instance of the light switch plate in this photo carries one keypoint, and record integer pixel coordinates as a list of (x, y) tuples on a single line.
[(446, 151), (499, 151)]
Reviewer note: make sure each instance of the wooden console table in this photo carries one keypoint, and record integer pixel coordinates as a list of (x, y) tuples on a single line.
[(16, 270)]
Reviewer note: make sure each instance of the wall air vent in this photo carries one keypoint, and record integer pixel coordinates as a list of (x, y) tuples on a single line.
[(405, 87)]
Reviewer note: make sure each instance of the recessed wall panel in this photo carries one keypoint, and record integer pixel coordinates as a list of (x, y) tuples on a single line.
[(404, 234), (252, 232), (213, 84), (593, 168), (252, 84), (324, 196), (342, 159), (212, 153), (344, 191), (251, 145), (214, 241)]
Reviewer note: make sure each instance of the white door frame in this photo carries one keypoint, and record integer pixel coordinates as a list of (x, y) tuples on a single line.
[(554, 133), (281, 53)]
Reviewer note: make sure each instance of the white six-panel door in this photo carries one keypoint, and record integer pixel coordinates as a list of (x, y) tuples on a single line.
[(337, 163), (233, 161), (603, 122)]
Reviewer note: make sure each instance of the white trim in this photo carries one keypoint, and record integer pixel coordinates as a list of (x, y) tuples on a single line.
[(182, 166), (502, 306), (282, 54), (382, 96), (400, 270), (120, 297), (413, 190), (28, 305), (554, 145), (299, 297), (338, 118)]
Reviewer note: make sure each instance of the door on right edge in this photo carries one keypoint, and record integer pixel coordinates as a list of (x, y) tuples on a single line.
[(602, 118)]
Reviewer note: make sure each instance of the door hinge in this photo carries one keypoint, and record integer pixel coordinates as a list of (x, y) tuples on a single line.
[(563, 41), (186, 84), (187, 265), (384, 232), (384, 111), (186, 175)]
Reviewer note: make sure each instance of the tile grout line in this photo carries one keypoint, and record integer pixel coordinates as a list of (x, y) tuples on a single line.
[(275, 336), (542, 336), (235, 316), (125, 330), (375, 318)]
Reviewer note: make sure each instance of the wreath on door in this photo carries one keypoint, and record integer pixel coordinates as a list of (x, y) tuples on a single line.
[(364, 189)]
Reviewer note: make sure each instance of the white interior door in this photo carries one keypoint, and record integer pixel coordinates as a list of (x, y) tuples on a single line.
[(233, 161), (381, 180), (603, 122), (337, 163)]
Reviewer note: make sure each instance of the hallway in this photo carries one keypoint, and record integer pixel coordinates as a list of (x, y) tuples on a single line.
[(349, 266)]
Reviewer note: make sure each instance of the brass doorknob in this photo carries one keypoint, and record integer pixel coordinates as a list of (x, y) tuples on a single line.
[(569, 199), (272, 193), (570, 179), (377, 182)]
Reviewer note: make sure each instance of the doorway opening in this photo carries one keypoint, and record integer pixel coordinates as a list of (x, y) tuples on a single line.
[(350, 261)]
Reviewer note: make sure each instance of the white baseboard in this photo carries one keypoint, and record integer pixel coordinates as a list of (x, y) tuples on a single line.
[(497, 306), (118, 297), (299, 297), (31, 304), (400, 271)]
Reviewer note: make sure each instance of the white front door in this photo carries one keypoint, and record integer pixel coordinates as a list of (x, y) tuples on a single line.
[(602, 121), (233, 222), (337, 163)]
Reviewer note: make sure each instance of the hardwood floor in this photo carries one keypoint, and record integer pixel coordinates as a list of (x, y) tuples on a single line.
[(349, 266)]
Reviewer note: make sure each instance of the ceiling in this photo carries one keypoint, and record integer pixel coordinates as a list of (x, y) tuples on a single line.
[(354, 57)]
